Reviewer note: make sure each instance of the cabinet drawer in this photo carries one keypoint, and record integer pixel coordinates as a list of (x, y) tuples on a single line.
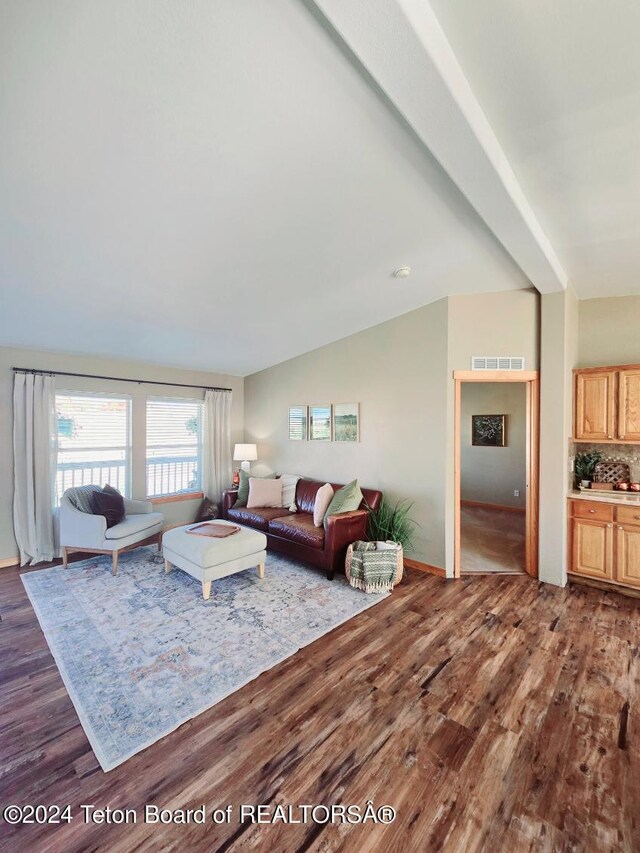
[(628, 514), (593, 510)]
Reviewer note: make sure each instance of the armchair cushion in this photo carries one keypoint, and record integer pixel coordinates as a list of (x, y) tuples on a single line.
[(132, 507), (110, 504), (135, 524)]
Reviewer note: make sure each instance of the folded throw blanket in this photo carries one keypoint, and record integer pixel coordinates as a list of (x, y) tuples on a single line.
[(374, 565)]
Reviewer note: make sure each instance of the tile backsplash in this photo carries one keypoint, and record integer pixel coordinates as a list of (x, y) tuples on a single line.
[(629, 453)]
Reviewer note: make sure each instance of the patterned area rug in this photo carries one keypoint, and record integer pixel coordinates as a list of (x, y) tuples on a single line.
[(142, 652)]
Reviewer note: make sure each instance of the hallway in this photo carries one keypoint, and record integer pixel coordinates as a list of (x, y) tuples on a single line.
[(492, 540)]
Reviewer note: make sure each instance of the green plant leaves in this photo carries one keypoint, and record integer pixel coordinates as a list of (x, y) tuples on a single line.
[(391, 522)]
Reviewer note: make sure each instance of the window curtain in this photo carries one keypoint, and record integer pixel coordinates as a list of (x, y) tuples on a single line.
[(217, 471), (35, 440)]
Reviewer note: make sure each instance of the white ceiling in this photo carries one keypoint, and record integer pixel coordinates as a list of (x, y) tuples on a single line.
[(560, 85), (212, 185), (224, 185)]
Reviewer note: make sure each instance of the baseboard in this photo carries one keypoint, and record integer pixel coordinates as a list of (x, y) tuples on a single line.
[(484, 505), (9, 561), (424, 567), (604, 586)]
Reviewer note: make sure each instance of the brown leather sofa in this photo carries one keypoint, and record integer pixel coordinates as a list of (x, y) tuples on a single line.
[(294, 534)]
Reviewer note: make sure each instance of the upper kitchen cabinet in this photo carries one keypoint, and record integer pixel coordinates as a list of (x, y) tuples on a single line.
[(629, 405), (607, 404), (595, 405)]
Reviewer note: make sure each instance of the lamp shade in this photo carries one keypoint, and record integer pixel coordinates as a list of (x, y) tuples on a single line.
[(245, 453)]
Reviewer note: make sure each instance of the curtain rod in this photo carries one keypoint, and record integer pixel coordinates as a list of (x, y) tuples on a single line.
[(118, 379)]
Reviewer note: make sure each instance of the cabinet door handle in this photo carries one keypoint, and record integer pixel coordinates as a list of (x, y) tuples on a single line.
[(621, 436), (609, 525), (609, 436), (620, 527), (592, 510)]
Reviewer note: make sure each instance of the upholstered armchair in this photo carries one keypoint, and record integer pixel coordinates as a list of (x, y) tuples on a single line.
[(82, 531)]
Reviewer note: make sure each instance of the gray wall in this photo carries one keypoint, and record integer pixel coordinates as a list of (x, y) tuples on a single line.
[(608, 331), (491, 474), (397, 371), (401, 374), (174, 511), (503, 324)]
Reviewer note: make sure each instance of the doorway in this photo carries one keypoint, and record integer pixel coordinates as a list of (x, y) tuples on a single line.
[(496, 472)]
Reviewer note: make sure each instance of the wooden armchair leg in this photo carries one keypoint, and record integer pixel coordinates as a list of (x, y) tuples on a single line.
[(114, 562), (65, 557)]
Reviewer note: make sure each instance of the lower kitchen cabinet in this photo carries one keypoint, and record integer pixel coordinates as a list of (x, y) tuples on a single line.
[(603, 545)]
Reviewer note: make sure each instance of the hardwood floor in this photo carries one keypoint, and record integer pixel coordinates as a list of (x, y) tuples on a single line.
[(493, 713), (491, 540)]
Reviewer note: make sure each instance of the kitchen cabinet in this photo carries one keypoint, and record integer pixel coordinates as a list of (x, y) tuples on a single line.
[(628, 424), (595, 406), (607, 404), (604, 542)]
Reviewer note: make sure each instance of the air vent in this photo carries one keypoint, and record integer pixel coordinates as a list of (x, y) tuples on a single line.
[(495, 362)]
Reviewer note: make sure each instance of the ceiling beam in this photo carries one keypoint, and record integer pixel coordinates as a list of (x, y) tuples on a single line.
[(403, 48)]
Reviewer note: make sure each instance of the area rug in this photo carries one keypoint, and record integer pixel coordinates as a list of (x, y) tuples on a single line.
[(142, 652)]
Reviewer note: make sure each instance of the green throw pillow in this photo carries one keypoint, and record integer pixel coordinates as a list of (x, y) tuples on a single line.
[(346, 499), (243, 488)]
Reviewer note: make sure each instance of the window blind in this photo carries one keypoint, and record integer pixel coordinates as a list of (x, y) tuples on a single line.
[(174, 446), (94, 441)]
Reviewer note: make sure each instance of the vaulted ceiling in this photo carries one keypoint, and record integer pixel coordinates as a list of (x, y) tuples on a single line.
[(224, 185)]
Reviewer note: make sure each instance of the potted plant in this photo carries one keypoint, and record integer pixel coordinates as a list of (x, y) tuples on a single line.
[(378, 564), (584, 467), (391, 523)]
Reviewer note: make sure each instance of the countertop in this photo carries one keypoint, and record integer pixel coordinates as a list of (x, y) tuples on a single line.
[(629, 498)]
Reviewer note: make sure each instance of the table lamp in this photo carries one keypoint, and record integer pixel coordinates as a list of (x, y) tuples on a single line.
[(246, 454)]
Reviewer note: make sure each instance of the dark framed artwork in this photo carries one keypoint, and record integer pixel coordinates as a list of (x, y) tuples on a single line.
[(489, 430)]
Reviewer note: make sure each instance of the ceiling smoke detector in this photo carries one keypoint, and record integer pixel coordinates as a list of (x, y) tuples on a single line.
[(402, 272)]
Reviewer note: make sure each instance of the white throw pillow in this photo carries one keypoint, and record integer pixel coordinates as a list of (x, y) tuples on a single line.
[(324, 496), (264, 492), (289, 483)]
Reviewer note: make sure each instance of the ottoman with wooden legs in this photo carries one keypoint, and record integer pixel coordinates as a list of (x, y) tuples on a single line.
[(206, 558)]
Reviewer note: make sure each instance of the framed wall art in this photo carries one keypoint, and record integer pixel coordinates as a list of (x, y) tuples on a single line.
[(298, 423), (346, 422), (489, 430), (320, 423)]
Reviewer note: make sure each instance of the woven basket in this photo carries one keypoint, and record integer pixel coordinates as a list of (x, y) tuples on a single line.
[(399, 564)]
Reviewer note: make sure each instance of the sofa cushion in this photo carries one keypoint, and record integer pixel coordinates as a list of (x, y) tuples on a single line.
[(134, 524), (257, 517), (243, 486), (346, 499), (323, 499), (306, 492), (289, 483), (298, 528), (264, 492)]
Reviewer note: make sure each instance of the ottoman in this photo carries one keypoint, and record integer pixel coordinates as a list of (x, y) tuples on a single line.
[(206, 558)]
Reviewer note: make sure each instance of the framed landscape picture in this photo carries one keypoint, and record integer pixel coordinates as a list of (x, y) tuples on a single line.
[(320, 423), (346, 422), (298, 417), (489, 430)]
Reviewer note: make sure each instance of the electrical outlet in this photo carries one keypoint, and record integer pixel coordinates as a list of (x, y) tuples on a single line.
[(516, 493)]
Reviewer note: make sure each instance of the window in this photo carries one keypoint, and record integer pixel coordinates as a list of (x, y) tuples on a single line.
[(174, 446), (94, 441)]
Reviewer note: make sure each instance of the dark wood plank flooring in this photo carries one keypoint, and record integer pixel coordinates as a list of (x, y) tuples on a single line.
[(492, 713)]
